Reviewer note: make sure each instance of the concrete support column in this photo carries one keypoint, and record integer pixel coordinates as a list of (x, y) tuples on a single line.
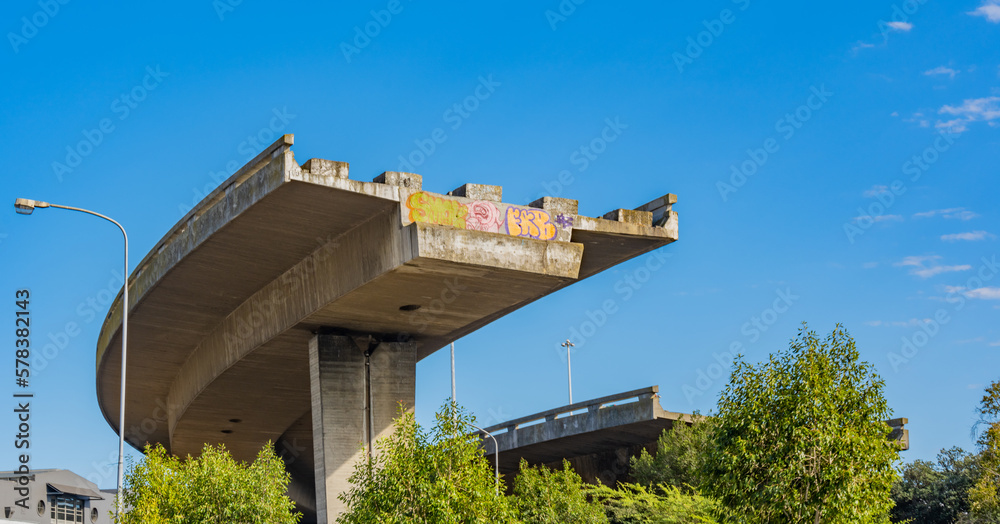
[(348, 401)]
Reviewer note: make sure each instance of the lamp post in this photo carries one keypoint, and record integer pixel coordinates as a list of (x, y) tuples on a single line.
[(496, 453), (569, 368), (25, 206)]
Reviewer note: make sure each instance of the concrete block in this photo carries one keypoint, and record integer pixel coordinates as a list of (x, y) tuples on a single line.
[(565, 206), (660, 207), (326, 168), (630, 216), (398, 178), (479, 192)]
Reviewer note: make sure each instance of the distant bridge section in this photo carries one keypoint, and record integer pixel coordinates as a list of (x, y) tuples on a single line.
[(599, 436)]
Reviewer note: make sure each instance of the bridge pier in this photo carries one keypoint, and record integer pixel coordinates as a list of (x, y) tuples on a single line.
[(357, 385)]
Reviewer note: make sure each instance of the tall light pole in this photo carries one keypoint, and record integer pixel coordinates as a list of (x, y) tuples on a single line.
[(25, 206), (569, 368), (453, 373)]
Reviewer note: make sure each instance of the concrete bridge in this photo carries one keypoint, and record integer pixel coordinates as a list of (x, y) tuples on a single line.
[(600, 436), (293, 303)]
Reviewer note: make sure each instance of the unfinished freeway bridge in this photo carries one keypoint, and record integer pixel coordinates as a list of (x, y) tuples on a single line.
[(293, 303)]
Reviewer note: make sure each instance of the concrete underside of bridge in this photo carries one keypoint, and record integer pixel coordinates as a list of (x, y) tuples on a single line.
[(293, 303)]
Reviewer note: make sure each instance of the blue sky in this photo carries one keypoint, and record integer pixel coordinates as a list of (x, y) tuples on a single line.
[(833, 162)]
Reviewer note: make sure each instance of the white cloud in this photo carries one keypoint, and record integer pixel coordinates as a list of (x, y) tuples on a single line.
[(959, 213), (913, 322), (927, 266), (990, 10), (876, 191), (861, 45), (870, 265), (894, 113), (986, 109), (970, 236), (995, 344), (917, 261), (984, 293), (937, 270), (941, 70), (900, 26), (879, 218)]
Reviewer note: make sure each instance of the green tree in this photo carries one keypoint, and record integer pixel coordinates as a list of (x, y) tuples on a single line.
[(801, 437), (543, 496), (636, 504), (439, 476), (210, 488), (985, 493), (931, 493), (680, 456)]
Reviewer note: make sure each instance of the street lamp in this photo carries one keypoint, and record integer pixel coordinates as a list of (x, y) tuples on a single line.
[(496, 453), (569, 368), (25, 206)]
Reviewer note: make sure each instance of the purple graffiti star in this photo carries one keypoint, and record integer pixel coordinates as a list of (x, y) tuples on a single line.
[(564, 221)]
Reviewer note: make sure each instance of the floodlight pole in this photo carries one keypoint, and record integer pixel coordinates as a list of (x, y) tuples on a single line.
[(569, 367), (25, 206)]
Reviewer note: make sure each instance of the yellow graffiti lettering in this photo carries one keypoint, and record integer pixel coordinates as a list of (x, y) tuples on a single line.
[(531, 223), (436, 210)]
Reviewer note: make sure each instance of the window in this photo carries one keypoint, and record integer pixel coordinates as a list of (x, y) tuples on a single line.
[(66, 510)]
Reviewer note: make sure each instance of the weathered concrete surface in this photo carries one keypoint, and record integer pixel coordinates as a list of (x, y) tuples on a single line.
[(599, 436), (342, 394), (582, 429), (223, 309)]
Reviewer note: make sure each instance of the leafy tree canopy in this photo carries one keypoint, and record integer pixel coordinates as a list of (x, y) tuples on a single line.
[(210, 488), (543, 496), (935, 493), (680, 456), (664, 504), (985, 493), (439, 476), (801, 437)]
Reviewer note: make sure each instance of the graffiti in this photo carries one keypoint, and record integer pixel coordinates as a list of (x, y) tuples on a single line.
[(532, 223), (436, 210), (564, 221), (482, 215)]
